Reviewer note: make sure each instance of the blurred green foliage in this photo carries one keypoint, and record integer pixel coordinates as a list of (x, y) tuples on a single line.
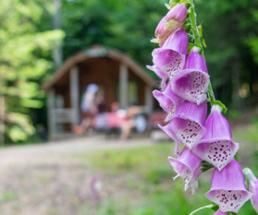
[(229, 28), (24, 61), (127, 25), (27, 41), (249, 134)]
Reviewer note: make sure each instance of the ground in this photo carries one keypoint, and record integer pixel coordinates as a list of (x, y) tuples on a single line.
[(52, 178), (94, 176)]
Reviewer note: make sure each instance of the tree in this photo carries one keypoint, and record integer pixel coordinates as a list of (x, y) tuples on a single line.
[(228, 26), (24, 57)]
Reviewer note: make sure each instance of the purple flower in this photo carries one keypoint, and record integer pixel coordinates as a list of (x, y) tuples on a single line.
[(161, 74), (187, 124), (171, 57), (168, 101), (218, 212), (228, 188), (253, 187), (254, 191), (187, 166), (170, 22), (192, 82), (217, 146)]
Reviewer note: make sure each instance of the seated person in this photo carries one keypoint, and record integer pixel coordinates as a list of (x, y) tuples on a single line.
[(89, 108), (126, 120)]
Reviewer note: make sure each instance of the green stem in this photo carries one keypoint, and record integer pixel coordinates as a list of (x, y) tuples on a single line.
[(211, 95), (201, 208), (198, 41), (249, 174), (195, 30)]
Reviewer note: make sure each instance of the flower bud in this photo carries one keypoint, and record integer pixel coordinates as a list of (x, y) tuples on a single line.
[(173, 20)]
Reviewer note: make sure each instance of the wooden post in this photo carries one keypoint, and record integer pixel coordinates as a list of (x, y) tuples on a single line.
[(148, 99), (51, 114), (123, 86), (74, 93)]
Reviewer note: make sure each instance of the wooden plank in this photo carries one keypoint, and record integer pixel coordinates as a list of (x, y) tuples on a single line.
[(63, 115), (148, 99), (74, 93), (51, 114), (123, 86)]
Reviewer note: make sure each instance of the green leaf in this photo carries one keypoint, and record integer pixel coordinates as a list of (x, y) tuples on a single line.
[(205, 166)]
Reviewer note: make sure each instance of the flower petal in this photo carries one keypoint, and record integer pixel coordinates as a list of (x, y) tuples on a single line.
[(165, 103), (187, 124), (219, 212), (168, 101), (192, 85), (170, 22), (217, 146), (187, 166), (216, 152), (228, 188), (161, 74), (229, 200), (178, 41), (168, 61)]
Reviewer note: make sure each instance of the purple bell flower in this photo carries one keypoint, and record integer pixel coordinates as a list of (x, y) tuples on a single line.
[(217, 146), (254, 191), (173, 20), (171, 57), (218, 212), (192, 82), (254, 199), (187, 166), (168, 101), (161, 74), (253, 187), (228, 189), (187, 124)]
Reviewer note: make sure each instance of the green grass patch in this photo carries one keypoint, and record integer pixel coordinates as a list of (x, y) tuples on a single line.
[(7, 196), (247, 133), (146, 170), (148, 162)]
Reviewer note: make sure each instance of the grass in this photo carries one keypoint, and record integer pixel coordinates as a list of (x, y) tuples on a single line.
[(146, 171), (7, 196), (247, 133)]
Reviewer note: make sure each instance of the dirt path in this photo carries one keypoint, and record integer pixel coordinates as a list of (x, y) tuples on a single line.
[(44, 179), (56, 151)]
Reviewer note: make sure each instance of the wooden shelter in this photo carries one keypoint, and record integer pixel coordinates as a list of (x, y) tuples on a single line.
[(120, 78)]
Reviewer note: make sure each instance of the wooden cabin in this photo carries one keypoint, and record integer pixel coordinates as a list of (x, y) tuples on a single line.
[(121, 79)]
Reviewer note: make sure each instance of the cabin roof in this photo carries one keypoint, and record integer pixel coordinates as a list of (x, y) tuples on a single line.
[(97, 52)]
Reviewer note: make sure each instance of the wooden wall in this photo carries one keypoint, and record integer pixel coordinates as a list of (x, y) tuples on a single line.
[(104, 72)]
